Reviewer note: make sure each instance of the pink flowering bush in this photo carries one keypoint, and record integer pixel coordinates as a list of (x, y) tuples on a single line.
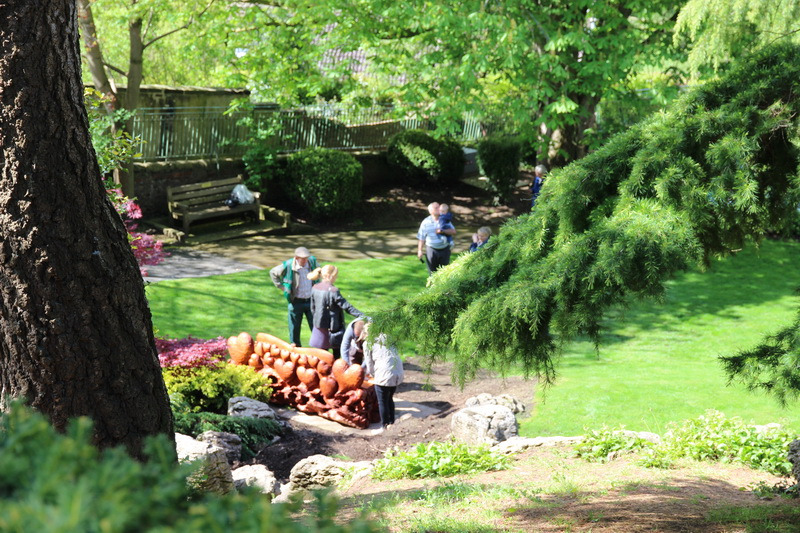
[(191, 352), (147, 250)]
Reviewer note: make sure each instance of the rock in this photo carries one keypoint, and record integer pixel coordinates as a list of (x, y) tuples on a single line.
[(484, 424), (794, 458), (320, 471), (256, 476), (644, 435), (247, 407), (520, 444), (230, 442), (507, 400), (214, 472)]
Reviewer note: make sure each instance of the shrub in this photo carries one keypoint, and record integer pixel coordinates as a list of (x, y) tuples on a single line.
[(423, 159), (499, 159), (605, 444), (327, 182), (438, 459), (53, 482), (208, 388), (253, 431), (710, 437)]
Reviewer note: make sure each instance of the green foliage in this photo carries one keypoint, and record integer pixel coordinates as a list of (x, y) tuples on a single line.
[(712, 174), (254, 432), (499, 158), (604, 444), (327, 182), (208, 389), (438, 459), (712, 437), (113, 146), (260, 147), (423, 159), (772, 366), (51, 482), (723, 30)]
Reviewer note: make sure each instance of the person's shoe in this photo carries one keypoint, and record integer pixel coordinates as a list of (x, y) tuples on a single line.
[(377, 431)]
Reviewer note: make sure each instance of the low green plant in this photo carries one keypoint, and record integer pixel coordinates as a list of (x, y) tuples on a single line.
[(254, 432), (438, 459), (208, 388), (601, 445), (499, 159), (52, 482), (326, 182), (423, 159), (713, 437)]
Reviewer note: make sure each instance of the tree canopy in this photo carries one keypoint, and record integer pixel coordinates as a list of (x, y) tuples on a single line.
[(715, 172)]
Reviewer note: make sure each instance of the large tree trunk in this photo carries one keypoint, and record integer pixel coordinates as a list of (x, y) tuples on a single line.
[(75, 329)]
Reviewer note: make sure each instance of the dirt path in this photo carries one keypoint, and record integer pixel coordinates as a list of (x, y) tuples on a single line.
[(434, 390)]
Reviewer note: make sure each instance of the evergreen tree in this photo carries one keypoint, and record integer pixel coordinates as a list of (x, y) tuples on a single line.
[(715, 172)]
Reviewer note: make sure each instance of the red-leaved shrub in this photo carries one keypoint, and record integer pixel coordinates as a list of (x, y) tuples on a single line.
[(191, 352)]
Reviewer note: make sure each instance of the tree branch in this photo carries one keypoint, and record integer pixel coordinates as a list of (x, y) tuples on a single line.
[(180, 28)]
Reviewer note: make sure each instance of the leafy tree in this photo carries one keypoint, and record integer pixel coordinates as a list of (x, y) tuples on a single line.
[(75, 329), (541, 67), (715, 172), (721, 30)]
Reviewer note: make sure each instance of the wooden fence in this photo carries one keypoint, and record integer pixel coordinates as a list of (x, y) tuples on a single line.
[(208, 133)]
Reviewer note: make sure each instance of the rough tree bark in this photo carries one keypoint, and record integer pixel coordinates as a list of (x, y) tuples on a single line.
[(75, 329)]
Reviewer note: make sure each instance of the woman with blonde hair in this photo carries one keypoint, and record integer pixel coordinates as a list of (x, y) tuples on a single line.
[(327, 309)]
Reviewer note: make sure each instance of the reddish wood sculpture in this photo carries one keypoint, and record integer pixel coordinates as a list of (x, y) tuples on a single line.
[(308, 379)]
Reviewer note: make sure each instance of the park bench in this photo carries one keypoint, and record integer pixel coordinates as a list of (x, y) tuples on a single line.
[(198, 201)]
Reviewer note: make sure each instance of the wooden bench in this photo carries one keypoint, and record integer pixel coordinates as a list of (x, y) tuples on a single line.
[(199, 201)]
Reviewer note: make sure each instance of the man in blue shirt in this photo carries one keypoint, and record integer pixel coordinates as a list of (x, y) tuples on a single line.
[(433, 237)]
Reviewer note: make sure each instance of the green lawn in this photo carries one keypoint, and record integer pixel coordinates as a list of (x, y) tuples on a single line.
[(658, 363), (248, 301)]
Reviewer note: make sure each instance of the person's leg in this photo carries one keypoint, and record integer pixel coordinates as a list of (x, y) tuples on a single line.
[(336, 343), (309, 316), (295, 321), (445, 257), (429, 256), (380, 392), (389, 404)]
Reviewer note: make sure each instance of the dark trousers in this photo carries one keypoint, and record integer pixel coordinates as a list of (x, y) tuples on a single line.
[(336, 343), (437, 258), (385, 403), (297, 310)]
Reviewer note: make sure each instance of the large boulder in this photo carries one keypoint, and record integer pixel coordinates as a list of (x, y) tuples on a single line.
[(258, 476), (794, 458), (247, 407), (503, 399), (214, 472), (320, 471), (230, 442), (484, 424)]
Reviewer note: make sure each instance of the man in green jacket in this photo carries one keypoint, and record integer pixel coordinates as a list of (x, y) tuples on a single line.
[(291, 277)]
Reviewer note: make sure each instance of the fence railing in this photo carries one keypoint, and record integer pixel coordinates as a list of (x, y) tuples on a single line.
[(207, 133)]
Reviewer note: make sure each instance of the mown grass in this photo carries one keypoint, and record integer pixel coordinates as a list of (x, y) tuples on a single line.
[(657, 362)]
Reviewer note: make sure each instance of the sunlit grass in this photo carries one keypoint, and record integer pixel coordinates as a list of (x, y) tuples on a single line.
[(657, 362)]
